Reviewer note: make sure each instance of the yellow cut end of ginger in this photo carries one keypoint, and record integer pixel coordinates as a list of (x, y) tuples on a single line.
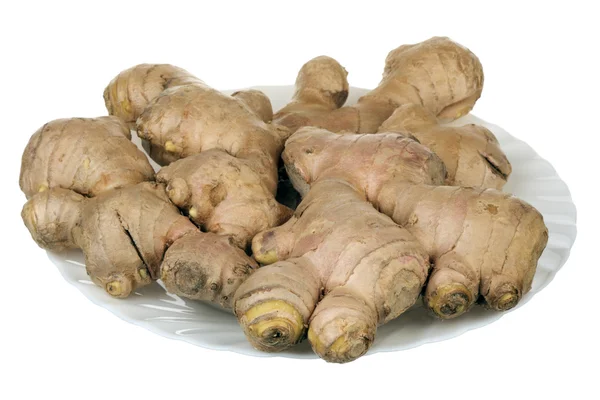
[(86, 163), (269, 257), (343, 347), (193, 212), (170, 147), (114, 288), (507, 301), (437, 301), (42, 188), (282, 313)]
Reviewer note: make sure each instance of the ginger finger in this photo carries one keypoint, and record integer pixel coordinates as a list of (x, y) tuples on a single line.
[(439, 74), (208, 186), (87, 155), (275, 303), (256, 101), (344, 244), (207, 267), (51, 215), (471, 153), (321, 87), (469, 234), (129, 93)]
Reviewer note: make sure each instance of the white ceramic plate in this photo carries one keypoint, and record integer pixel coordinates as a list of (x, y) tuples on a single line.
[(533, 180)]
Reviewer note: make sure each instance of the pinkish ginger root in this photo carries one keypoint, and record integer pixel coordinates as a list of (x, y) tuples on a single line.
[(471, 153), (482, 242), (439, 74), (338, 267), (368, 268)]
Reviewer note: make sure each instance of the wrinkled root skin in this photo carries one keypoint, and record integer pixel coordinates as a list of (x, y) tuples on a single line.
[(273, 325), (51, 215), (220, 158), (87, 155), (207, 187), (272, 316), (483, 243), (321, 89), (257, 102), (206, 267), (487, 245), (339, 268), (129, 93), (471, 153), (439, 74), (123, 244)]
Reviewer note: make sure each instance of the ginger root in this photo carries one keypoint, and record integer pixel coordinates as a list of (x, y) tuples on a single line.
[(124, 234), (366, 268), (482, 242), (223, 194), (439, 74), (471, 153), (87, 155), (226, 176), (207, 267), (257, 102), (384, 216), (338, 267), (128, 94)]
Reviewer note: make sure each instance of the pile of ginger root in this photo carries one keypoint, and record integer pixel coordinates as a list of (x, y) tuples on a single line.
[(395, 205)]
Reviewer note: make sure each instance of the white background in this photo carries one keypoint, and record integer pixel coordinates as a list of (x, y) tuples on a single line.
[(541, 68)]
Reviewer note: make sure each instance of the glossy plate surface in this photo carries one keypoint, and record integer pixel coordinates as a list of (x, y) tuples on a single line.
[(533, 180)]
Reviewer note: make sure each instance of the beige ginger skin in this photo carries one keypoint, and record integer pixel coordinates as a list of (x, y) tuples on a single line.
[(471, 153), (423, 85), (123, 244), (95, 158), (338, 266), (130, 92), (222, 153), (482, 242), (386, 213), (126, 233), (87, 155), (85, 184), (223, 194), (439, 74)]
